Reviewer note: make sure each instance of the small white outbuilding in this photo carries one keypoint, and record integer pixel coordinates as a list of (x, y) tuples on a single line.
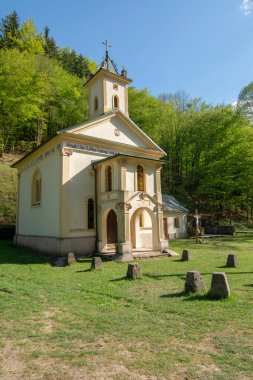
[(174, 218)]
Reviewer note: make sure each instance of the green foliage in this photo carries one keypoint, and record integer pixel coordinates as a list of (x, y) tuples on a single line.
[(209, 149), (8, 191), (75, 63), (9, 31), (245, 101), (28, 39), (37, 98), (50, 46)]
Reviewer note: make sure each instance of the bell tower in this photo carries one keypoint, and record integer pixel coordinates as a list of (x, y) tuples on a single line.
[(108, 90)]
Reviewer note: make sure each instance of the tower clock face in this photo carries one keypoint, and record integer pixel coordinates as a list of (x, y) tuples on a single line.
[(116, 132)]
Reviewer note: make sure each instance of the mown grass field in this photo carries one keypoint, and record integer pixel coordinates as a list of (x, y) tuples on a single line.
[(73, 323)]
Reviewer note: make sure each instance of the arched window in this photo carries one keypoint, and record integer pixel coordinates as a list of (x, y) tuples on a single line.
[(108, 178), (115, 101), (90, 213), (95, 103), (36, 188), (140, 178)]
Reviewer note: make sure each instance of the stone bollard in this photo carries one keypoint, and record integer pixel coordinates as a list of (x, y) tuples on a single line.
[(194, 282), (232, 261), (186, 255), (71, 258), (219, 286), (133, 271), (96, 263), (60, 262)]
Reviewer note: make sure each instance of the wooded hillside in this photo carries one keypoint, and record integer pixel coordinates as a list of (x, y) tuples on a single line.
[(209, 148)]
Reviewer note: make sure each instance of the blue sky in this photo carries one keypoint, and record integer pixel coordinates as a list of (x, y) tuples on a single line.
[(204, 47)]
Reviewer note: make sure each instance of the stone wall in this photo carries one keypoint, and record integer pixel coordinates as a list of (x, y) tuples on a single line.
[(220, 230), (212, 230)]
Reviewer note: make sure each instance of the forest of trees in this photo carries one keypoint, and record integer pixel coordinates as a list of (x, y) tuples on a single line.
[(209, 148)]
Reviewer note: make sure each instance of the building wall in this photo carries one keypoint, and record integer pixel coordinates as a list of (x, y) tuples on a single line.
[(106, 131), (175, 233), (110, 92), (131, 177), (41, 220), (81, 185), (96, 90)]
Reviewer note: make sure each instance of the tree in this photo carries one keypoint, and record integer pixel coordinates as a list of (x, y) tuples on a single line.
[(75, 63), (50, 46), (245, 101), (9, 31), (179, 100), (37, 98), (29, 39)]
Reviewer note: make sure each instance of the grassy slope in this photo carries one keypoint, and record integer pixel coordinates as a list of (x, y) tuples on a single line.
[(66, 323), (8, 190)]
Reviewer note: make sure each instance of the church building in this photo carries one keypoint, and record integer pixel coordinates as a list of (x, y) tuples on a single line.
[(94, 187)]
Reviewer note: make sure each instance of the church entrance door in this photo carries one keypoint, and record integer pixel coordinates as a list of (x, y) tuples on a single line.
[(112, 227)]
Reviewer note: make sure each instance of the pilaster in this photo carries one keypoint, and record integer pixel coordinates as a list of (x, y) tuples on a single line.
[(65, 192), (124, 245)]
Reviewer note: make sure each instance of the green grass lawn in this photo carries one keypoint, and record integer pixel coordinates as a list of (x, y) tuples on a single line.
[(73, 323)]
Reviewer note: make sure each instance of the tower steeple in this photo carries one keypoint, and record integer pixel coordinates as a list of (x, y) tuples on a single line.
[(108, 63), (108, 90)]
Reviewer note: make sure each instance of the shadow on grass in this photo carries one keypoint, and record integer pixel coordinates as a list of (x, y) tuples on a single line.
[(191, 296), (119, 279), (237, 272), (249, 285), (174, 295), (10, 254), (83, 260), (84, 271), (160, 276), (199, 297)]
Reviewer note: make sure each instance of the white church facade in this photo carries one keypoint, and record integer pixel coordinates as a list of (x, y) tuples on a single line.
[(94, 187)]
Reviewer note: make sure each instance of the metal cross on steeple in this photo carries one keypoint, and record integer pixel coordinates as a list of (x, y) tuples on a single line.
[(106, 43)]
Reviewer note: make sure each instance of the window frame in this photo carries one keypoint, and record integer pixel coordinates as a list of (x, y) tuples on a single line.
[(95, 103), (36, 193), (90, 214), (115, 98), (140, 178), (108, 178), (176, 222)]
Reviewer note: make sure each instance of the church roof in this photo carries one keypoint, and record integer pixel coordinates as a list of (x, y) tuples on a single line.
[(171, 204), (97, 162), (114, 114), (109, 65)]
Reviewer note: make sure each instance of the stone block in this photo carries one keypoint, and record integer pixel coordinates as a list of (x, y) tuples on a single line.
[(71, 258), (186, 255), (96, 263), (133, 271), (60, 262), (219, 286), (194, 282), (232, 261)]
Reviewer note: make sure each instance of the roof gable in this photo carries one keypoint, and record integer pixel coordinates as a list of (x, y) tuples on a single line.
[(115, 127)]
